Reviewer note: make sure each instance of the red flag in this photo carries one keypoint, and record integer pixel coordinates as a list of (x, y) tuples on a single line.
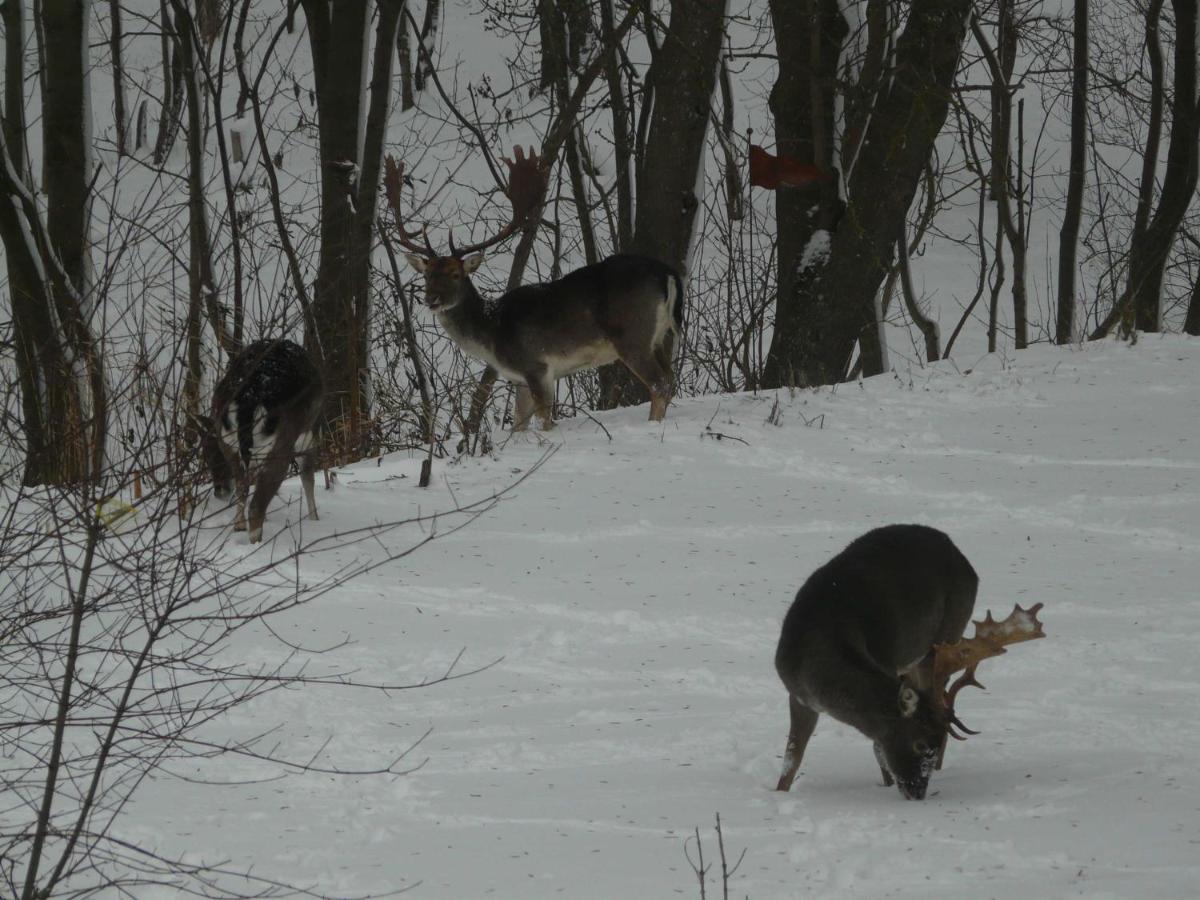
[(772, 171)]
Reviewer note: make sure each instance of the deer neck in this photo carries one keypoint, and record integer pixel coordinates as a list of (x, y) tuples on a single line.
[(467, 319), (471, 323)]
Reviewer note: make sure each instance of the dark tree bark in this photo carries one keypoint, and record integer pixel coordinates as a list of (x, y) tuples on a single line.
[(1141, 216), (49, 396), (62, 381), (808, 38), (1191, 324), (1140, 307), (928, 327), (403, 49), (202, 291), (1068, 235), (173, 91), (118, 76), (426, 39), (1002, 63), (835, 292), (556, 64), (621, 125), (1148, 257), (367, 197), (338, 37), (684, 73), (67, 169)]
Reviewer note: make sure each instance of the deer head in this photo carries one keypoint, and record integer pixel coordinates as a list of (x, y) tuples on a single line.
[(214, 458), (447, 278), (909, 748)]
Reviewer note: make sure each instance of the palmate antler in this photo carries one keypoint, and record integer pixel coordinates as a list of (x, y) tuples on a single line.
[(527, 179), (393, 184), (990, 639)]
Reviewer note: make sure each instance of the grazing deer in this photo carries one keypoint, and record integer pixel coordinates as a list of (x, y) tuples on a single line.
[(626, 307), (264, 414), (872, 639)]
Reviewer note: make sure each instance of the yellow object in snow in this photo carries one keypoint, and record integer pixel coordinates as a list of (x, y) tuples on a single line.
[(113, 510)]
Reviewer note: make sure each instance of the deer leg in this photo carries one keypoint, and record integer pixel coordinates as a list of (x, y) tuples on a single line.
[(804, 720), (646, 366), (541, 389), (524, 410), (888, 780), (243, 490), (308, 466), (270, 476), (663, 353)]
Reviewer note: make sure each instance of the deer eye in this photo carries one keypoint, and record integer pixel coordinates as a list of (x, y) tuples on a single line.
[(920, 746)]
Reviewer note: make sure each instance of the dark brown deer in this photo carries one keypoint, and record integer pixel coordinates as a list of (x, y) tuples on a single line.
[(264, 414), (872, 639), (626, 307)]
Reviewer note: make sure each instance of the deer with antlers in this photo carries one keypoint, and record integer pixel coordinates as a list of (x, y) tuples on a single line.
[(872, 639), (626, 307)]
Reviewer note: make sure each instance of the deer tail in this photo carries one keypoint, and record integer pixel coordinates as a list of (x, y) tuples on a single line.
[(674, 281)]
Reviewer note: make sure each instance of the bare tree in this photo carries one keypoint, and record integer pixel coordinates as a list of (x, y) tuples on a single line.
[(809, 37), (1068, 240), (1151, 247), (112, 624), (351, 147), (838, 273), (1009, 196), (62, 379), (682, 79)]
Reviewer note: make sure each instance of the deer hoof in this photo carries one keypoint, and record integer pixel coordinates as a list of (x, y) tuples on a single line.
[(255, 534)]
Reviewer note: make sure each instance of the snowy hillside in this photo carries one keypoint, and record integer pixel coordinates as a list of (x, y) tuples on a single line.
[(631, 590)]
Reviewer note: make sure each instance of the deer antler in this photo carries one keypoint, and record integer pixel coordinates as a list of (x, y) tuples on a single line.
[(527, 180), (990, 639), (393, 183)]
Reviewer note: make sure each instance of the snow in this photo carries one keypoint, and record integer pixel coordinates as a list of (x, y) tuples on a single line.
[(629, 595)]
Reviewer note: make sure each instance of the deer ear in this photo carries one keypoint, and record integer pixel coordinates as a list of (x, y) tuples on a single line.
[(908, 701), (471, 263), (417, 261)]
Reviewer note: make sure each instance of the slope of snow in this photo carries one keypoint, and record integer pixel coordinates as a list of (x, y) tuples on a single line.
[(632, 589)]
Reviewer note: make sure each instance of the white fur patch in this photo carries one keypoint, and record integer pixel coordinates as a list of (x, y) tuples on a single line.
[(909, 700), (669, 311)]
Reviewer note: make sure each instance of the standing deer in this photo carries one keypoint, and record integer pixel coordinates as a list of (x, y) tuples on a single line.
[(264, 414), (872, 639), (626, 307)]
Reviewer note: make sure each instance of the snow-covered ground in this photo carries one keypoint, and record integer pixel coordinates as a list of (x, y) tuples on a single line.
[(632, 589)]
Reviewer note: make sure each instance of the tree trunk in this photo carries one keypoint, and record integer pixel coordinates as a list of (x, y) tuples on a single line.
[(403, 49), (1191, 325), (338, 37), (1141, 216), (66, 136), (1068, 235), (928, 327), (1001, 65), (366, 199), (684, 73), (621, 126), (835, 293), (556, 64), (59, 367), (66, 141), (118, 76), (808, 38), (173, 92), (202, 294), (1148, 257)]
